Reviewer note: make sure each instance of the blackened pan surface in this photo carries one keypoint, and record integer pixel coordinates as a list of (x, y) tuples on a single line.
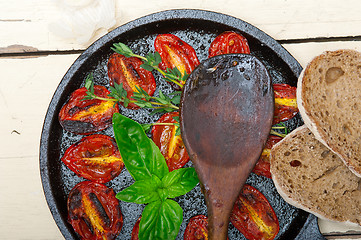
[(198, 28)]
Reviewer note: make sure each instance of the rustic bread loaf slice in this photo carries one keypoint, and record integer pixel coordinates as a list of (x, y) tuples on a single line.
[(329, 100), (310, 176)]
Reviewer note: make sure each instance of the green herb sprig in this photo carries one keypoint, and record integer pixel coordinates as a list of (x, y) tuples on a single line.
[(163, 103), (146, 127), (141, 98), (154, 185), (280, 127), (151, 62)]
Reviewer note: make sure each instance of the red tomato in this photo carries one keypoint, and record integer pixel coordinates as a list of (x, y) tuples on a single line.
[(228, 42), (263, 164), (170, 145), (135, 231), (94, 211), (95, 158), (285, 102), (175, 53), (253, 216), (128, 72), (197, 228), (88, 116)]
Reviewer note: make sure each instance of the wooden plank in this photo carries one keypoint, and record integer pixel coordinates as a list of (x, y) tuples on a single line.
[(306, 51), (26, 89), (23, 210), (26, 26)]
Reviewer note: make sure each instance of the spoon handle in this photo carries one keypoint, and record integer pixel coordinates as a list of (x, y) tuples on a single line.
[(218, 227), (222, 188), (218, 221)]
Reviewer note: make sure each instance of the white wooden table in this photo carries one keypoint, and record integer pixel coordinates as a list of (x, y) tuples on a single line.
[(33, 61)]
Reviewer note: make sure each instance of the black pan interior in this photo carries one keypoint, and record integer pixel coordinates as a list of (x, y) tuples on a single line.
[(198, 28)]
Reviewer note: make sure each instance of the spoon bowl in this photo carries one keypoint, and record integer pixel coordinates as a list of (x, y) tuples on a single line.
[(226, 115)]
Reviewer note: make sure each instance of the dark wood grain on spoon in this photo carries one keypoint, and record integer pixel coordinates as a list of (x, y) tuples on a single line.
[(226, 115)]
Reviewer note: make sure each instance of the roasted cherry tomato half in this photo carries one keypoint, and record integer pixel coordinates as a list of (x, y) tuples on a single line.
[(128, 72), (135, 231), (228, 42), (95, 157), (253, 216), (175, 53), (262, 167), (197, 228), (285, 102), (170, 145), (87, 116), (94, 211)]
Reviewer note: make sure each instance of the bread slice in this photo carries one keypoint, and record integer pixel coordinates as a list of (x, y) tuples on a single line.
[(310, 176), (329, 100)]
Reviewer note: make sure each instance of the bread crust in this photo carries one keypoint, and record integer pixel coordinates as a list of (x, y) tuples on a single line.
[(312, 185), (349, 152)]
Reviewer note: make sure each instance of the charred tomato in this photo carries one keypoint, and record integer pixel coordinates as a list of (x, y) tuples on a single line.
[(170, 144), (262, 167), (253, 216), (127, 71), (94, 211), (175, 53), (197, 228), (135, 231), (87, 116), (285, 102), (95, 157), (228, 42)]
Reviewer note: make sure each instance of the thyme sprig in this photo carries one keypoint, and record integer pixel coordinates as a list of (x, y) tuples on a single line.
[(146, 127), (163, 103), (280, 127), (141, 98), (151, 62)]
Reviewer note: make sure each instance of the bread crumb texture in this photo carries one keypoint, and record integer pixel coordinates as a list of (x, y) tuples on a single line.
[(331, 94), (310, 176)]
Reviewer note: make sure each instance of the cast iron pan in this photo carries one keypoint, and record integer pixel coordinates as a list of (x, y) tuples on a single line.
[(198, 28)]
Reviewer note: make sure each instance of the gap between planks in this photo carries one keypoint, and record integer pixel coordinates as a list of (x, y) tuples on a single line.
[(30, 52), (40, 53)]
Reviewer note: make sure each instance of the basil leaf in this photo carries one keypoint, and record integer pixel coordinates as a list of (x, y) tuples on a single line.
[(140, 155), (160, 220), (141, 192), (162, 193), (180, 181)]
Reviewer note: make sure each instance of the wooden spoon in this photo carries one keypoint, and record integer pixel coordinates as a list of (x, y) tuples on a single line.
[(226, 115)]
